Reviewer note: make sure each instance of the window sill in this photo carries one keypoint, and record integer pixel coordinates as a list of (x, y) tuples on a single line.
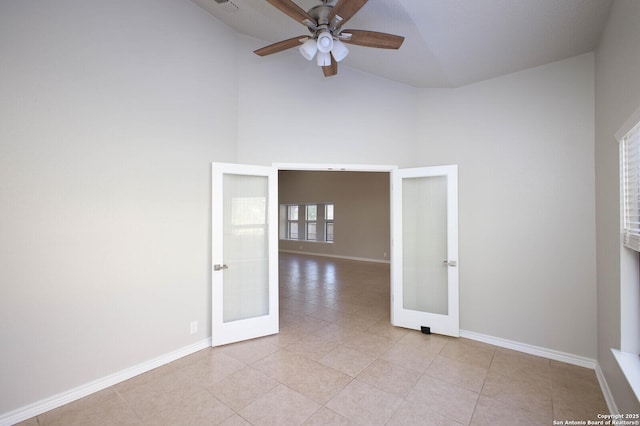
[(630, 366)]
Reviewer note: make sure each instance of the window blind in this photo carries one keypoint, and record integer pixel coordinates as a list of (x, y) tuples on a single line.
[(631, 187)]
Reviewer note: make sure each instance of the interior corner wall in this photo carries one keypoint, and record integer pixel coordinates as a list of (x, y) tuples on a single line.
[(617, 68), (111, 113), (524, 146), (361, 206), (290, 113)]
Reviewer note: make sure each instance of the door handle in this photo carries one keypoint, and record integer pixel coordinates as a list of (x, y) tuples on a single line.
[(451, 263), (220, 267)]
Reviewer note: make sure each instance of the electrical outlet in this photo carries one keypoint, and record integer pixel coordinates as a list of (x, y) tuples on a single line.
[(193, 327)]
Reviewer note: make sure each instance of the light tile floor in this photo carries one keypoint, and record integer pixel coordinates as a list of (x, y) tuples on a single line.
[(338, 361)]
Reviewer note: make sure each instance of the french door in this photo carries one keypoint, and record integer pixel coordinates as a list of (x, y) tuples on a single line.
[(244, 252), (424, 252)]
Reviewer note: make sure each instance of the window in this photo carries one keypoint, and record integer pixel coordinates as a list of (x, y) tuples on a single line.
[(630, 151), (292, 222), (627, 355), (328, 222), (309, 222)]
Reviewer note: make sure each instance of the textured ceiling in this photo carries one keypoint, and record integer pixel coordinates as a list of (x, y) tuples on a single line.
[(448, 43)]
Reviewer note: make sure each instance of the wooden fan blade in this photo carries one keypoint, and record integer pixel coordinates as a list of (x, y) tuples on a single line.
[(346, 9), (280, 46), (330, 70), (373, 39), (291, 9)]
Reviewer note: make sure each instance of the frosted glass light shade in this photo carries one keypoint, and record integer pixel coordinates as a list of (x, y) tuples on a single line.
[(309, 49), (325, 42), (339, 50), (324, 59)]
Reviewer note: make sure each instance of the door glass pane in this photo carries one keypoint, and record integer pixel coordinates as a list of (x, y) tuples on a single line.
[(245, 251), (424, 244)]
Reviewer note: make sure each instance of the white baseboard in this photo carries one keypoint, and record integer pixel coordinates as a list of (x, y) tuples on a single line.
[(359, 259), (606, 392), (531, 349), (63, 398)]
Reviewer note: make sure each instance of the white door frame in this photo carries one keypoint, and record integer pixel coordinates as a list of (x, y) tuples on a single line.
[(361, 168)]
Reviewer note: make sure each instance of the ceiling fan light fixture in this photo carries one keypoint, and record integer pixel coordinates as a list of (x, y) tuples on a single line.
[(339, 50), (309, 49), (324, 59), (325, 42)]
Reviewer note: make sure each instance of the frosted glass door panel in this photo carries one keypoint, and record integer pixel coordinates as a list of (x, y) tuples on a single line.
[(244, 252), (246, 287), (424, 250), (424, 239)]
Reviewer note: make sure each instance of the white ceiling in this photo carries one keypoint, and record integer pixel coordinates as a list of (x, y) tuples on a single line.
[(448, 43)]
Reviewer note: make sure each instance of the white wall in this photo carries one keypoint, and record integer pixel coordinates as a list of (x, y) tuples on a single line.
[(524, 146), (617, 97), (110, 115), (289, 112)]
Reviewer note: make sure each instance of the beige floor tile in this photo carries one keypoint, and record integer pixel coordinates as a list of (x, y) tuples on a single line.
[(365, 404), (572, 407), (458, 373), (414, 414), (521, 366), (444, 398), (348, 361), (235, 420), (383, 328), (461, 350), (242, 388), (163, 377), (249, 351), (303, 375), (325, 416), (390, 377), (109, 412), (337, 333), (212, 369), (196, 407), (410, 356), (369, 344), (492, 412), (312, 347), (519, 394), (280, 407), (285, 337), (33, 421), (428, 343)]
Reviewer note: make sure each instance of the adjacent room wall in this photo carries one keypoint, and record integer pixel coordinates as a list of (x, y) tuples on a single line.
[(524, 146), (111, 113), (361, 208), (617, 97)]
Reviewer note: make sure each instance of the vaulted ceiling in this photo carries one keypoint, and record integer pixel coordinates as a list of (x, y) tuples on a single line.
[(448, 43)]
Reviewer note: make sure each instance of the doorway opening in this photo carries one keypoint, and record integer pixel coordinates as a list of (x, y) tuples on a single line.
[(349, 275)]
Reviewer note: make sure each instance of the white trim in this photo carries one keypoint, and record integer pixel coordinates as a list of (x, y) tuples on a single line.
[(359, 259), (531, 349), (334, 167), (55, 401), (606, 391), (630, 365)]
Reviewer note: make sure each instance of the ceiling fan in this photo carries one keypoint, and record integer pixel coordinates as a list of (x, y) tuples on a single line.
[(327, 38)]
